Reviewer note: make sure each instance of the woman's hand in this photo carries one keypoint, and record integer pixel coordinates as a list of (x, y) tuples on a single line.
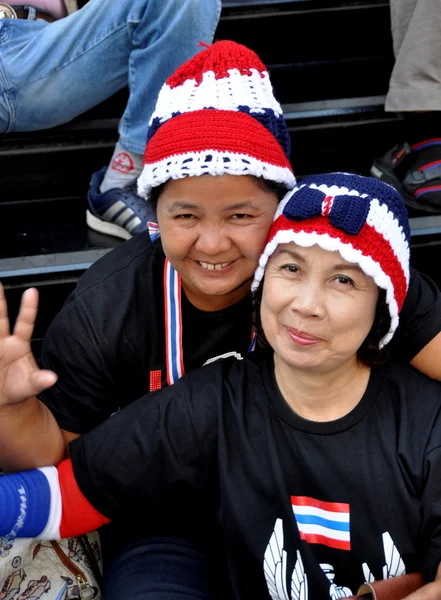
[(430, 591), (20, 376)]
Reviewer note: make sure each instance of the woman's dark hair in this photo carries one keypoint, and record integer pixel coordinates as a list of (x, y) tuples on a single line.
[(369, 352), (154, 195), (279, 189)]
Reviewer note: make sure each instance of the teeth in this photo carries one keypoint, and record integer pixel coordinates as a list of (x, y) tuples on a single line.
[(211, 267)]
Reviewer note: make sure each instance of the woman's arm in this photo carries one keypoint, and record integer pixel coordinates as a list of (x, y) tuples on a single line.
[(430, 591), (418, 337), (158, 452), (47, 504), (428, 360), (29, 434)]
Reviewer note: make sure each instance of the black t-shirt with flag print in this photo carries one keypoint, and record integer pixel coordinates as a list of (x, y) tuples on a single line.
[(309, 510), (107, 344)]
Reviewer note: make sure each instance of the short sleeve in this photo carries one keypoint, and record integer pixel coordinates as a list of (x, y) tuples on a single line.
[(83, 396), (431, 506), (420, 319), (159, 453)]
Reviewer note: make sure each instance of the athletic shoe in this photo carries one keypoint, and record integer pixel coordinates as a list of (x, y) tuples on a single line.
[(120, 211), (415, 171)]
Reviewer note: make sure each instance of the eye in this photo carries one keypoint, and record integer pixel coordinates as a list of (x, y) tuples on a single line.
[(290, 268), (240, 216), (186, 216), (344, 279)]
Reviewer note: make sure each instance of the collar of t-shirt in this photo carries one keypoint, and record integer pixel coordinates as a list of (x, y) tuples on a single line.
[(207, 336), (287, 414)]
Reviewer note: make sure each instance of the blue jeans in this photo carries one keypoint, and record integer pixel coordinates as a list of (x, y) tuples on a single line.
[(158, 568), (52, 72)]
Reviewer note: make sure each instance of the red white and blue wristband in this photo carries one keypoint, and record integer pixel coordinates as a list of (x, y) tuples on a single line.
[(47, 504)]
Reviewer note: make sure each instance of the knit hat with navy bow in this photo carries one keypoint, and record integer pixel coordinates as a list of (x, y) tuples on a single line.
[(362, 218), (217, 114)]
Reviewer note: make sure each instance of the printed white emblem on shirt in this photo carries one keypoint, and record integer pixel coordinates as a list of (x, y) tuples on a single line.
[(394, 566), (274, 567), (335, 591), (226, 355)]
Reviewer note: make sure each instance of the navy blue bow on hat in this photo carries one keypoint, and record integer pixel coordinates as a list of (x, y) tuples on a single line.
[(345, 212)]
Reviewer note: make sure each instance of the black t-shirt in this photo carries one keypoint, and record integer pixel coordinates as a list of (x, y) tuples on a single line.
[(300, 503), (108, 342)]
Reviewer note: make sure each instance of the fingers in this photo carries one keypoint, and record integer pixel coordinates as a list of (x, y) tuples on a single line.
[(4, 320), (24, 325), (430, 591)]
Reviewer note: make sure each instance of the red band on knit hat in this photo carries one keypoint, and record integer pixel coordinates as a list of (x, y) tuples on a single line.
[(220, 57), (215, 130)]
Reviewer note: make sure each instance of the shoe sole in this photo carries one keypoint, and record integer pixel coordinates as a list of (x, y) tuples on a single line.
[(379, 172), (106, 227)]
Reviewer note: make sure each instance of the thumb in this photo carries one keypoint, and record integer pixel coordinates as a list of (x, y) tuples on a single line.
[(41, 380)]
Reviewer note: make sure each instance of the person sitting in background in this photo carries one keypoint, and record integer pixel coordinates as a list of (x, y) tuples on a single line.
[(56, 66), (414, 166), (318, 456)]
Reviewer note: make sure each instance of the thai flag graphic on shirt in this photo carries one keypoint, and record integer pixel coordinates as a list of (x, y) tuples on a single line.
[(321, 522)]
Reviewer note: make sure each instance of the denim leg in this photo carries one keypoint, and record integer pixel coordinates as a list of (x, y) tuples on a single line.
[(167, 35), (158, 568), (52, 72)]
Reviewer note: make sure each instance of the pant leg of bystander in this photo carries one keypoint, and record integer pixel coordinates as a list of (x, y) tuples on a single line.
[(52, 72), (158, 568), (415, 84)]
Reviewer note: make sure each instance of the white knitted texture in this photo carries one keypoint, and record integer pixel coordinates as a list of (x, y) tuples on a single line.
[(254, 91), (175, 167), (348, 253), (384, 222)]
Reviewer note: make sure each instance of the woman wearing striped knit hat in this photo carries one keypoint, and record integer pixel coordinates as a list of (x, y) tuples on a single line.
[(216, 166), (319, 459)]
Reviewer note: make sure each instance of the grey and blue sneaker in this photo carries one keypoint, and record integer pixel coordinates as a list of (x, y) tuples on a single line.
[(120, 211)]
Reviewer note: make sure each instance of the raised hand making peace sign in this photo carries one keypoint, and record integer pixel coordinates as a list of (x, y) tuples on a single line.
[(20, 376)]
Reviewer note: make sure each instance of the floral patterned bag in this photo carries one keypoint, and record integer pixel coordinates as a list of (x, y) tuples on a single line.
[(68, 569)]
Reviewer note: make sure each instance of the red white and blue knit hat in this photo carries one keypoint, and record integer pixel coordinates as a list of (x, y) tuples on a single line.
[(362, 218), (217, 114)]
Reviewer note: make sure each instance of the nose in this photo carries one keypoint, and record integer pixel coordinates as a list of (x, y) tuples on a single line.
[(212, 240), (309, 299)]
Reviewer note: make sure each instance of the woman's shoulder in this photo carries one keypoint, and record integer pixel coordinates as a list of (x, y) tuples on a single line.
[(412, 389), (135, 258)]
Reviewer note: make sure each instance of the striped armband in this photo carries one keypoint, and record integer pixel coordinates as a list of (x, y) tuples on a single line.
[(45, 503)]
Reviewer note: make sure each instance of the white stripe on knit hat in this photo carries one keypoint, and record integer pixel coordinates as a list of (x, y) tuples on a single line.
[(52, 529), (178, 167), (227, 93), (384, 222), (348, 252)]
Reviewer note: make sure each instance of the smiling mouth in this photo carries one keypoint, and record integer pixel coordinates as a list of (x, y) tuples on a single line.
[(214, 266), (303, 338)]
